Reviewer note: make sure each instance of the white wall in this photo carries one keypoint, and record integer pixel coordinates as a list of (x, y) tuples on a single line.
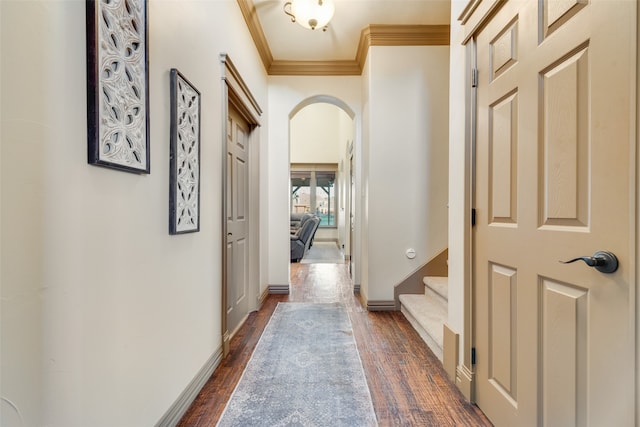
[(105, 317), (21, 268), (285, 94), (407, 152), (457, 164), (314, 133), (362, 170), (347, 131)]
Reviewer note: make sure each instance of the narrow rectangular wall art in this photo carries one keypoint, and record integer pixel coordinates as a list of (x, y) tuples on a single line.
[(184, 156), (118, 84)]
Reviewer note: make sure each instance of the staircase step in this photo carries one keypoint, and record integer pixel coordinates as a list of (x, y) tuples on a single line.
[(439, 285), (427, 316)]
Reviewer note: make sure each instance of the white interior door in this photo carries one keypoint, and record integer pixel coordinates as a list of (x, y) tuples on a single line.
[(555, 179), (237, 219)]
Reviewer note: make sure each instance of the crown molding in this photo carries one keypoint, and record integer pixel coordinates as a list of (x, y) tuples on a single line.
[(314, 68), (248, 9), (407, 35), (400, 35), (371, 35)]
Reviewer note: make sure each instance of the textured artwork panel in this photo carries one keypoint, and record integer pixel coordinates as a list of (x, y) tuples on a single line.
[(188, 161), (122, 89), (184, 184), (117, 91)]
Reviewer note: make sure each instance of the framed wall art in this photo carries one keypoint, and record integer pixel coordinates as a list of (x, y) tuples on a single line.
[(184, 156), (118, 84)]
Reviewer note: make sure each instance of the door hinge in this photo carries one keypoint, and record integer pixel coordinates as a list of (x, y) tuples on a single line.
[(473, 355), (473, 217), (474, 77)]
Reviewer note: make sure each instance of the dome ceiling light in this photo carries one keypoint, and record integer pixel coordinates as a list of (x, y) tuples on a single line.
[(310, 14)]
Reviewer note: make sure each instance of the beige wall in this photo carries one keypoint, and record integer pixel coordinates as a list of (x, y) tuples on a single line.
[(401, 161), (406, 162), (362, 171), (105, 317), (315, 134)]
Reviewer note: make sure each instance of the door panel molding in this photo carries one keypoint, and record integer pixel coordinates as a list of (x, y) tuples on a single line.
[(562, 314), (556, 94)]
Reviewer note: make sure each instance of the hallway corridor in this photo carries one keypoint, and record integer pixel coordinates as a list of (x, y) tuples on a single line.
[(407, 383)]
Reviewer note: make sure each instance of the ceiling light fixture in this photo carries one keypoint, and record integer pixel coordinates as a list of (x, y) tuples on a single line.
[(310, 14)]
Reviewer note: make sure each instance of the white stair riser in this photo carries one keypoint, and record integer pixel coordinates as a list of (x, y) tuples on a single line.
[(439, 285), (427, 316), (434, 346), (436, 297)]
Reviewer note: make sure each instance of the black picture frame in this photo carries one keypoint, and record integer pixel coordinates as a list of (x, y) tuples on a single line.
[(118, 85), (184, 155)]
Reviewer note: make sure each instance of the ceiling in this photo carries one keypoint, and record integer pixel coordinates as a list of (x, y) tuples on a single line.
[(288, 48)]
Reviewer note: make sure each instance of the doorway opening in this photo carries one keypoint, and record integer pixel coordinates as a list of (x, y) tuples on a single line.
[(240, 202), (321, 135)]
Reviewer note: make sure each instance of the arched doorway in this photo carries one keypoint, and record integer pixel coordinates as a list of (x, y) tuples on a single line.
[(321, 146)]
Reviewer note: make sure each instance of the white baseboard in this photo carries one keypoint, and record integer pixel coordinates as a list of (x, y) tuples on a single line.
[(173, 415)]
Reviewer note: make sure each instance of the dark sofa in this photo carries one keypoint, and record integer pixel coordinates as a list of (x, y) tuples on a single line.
[(302, 237)]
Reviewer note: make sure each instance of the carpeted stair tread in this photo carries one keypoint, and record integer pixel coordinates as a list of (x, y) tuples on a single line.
[(439, 285), (427, 316)]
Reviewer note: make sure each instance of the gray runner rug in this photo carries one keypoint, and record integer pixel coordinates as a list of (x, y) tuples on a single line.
[(304, 371)]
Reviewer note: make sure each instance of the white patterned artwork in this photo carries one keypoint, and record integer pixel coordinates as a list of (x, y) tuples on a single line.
[(117, 91), (184, 156)]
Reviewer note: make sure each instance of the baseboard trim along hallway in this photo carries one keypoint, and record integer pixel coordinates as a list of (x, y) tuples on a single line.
[(186, 398)]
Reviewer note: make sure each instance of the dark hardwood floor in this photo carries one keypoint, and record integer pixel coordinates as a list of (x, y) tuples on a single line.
[(407, 382)]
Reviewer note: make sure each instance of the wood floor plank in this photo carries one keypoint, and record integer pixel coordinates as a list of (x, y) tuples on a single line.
[(408, 384)]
